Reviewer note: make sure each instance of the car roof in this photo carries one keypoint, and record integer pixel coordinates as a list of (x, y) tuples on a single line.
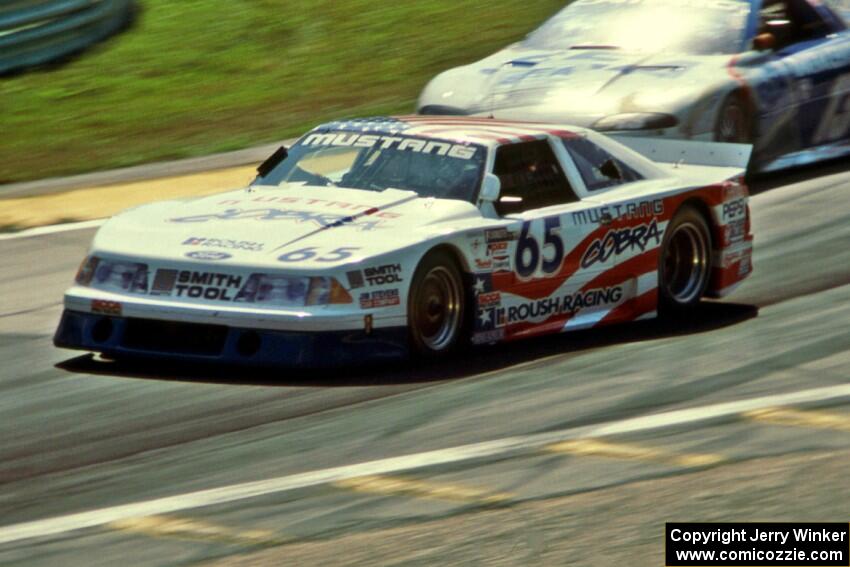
[(461, 129)]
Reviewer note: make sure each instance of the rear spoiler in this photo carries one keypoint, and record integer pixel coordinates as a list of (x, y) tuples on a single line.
[(713, 154)]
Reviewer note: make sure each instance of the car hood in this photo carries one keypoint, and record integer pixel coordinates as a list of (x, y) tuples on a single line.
[(578, 86), (256, 227)]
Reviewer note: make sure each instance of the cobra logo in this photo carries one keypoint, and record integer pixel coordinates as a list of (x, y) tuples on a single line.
[(208, 256), (620, 241)]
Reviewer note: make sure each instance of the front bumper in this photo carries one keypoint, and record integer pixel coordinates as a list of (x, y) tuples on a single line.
[(171, 340)]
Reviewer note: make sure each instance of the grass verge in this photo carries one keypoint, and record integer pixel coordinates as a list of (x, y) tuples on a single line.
[(201, 76)]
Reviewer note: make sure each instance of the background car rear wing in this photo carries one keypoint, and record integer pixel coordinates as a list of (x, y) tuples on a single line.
[(678, 152)]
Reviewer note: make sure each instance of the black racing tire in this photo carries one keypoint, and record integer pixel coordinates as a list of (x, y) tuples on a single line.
[(684, 264), (436, 307), (734, 121)]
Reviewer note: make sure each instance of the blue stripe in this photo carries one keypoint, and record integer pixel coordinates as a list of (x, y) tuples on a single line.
[(109, 335)]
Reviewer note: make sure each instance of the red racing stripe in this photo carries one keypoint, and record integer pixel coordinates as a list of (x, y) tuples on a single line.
[(633, 308)]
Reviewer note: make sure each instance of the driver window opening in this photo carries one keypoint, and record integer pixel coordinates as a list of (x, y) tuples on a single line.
[(599, 170), (790, 22), (531, 178)]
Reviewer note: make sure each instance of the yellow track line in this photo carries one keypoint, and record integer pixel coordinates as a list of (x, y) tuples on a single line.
[(795, 418), (188, 529), (630, 452), (403, 486)]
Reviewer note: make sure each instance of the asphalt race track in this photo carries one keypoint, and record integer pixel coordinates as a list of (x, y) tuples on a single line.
[(101, 463)]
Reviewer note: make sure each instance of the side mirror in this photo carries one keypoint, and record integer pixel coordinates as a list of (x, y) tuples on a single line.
[(764, 42), (276, 158), (491, 189)]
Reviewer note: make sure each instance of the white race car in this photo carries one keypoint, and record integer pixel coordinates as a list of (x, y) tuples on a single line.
[(369, 239)]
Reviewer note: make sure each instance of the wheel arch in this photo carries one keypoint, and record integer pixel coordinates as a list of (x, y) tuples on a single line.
[(745, 94), (454, 252), (706, 211)]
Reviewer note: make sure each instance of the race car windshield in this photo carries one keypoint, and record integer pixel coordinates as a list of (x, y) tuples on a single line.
[(431, 168), (693, 27)]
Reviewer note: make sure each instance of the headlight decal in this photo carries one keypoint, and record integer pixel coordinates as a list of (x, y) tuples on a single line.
[(124, 276), (288, 291), (113, 276), (260, 289), (86, 271)]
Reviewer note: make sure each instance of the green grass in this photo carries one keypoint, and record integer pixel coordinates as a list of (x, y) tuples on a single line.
[(194, 77)]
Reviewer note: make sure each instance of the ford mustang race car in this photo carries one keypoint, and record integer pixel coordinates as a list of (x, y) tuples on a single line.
[(372, 238), (775, 73)]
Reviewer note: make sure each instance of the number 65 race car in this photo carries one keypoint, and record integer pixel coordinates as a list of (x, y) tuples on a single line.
[(371, 239)]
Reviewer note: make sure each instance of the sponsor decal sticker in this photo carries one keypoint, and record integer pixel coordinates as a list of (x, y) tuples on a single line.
[(383, 275), (210, 286), (225, 244), (735, 231), (164, 282), (495, 248), (620, 241), (731, 259), (209, 256), (399, 143), (746, 266), (102, 307), (637, 210), (322, 220), (734, 210), (491, 299), (355, 279), (494, 235), (502, 264), (378, 276), (491, 316), (378, 299), (572, 303), (368, 210)]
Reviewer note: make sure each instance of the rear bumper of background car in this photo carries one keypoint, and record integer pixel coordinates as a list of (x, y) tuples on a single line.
[(172, 340)]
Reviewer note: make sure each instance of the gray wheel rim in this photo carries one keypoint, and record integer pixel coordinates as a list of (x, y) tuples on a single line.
[(438, 309), (686, 263), (732, 124)]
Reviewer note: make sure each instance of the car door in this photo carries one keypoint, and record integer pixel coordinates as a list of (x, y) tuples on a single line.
[(813, 47), (547, 286), (625, 223)]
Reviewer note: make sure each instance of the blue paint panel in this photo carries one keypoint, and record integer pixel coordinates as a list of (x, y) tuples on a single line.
[(115, 336), (752, 24)]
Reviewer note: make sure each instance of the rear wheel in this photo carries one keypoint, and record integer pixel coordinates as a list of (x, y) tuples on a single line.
[(685, 263), (436, 306)]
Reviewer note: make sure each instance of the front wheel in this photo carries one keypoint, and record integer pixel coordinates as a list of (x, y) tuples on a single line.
[(436, 306), (684, 266), (734, 122)]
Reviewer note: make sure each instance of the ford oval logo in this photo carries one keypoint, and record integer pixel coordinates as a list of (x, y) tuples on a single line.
[(209, 256)]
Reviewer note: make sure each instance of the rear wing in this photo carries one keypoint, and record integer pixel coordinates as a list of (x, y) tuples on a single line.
[(680, 152)]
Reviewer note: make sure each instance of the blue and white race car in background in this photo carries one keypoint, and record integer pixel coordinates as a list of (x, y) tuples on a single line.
[(775, 73)]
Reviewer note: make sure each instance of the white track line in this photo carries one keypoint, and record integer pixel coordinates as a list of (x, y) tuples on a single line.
[(53, 229), (525, 443)]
